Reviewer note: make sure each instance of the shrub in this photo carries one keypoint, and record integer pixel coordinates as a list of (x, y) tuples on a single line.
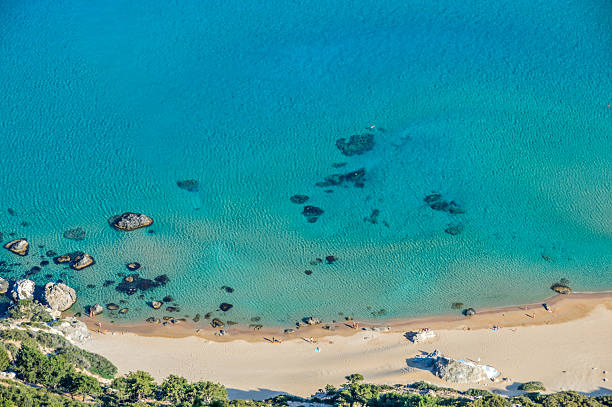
[(477, 393), (4, 358), (30, 310), (532, 386)]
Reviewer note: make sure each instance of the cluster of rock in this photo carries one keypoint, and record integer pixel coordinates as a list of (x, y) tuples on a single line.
[(134, 283), (76, 260), (437, 203), (57, 296), (561, 288), (130, 221), (312, 213), (356, 145), (299, 199), (356, 178)]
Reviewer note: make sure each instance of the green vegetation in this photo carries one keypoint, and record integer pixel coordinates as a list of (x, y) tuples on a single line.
[(532, 386), (30, 310)]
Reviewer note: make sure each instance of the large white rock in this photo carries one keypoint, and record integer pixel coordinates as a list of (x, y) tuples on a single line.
[(59, 296), (23, 290), (4, 286), (460, 371), (73, 330)]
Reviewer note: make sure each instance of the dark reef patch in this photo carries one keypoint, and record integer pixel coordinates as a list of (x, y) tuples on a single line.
[(356, 145)]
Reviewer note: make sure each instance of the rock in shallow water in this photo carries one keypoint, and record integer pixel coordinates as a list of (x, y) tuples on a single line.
[(75, 234), (299, 199), (190, 185), (356, 145), (81, 260), (18, 246), (133, 266), (4, 286), (225, 306), (454, 230), (130, 221)]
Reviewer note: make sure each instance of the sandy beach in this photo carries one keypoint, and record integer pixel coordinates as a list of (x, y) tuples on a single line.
[(569, 348)]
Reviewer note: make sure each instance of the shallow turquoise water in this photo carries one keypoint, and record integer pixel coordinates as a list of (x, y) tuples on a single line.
[(501, 107)]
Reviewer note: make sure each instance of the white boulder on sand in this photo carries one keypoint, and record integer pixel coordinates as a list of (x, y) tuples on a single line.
[(461, 371)]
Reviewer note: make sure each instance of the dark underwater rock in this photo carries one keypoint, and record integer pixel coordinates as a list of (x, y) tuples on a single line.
[(299, 199), (356, 145), (112, 306), (356, 177), (11, 212), (130, 221), (225, 306), (134, 283), (330, 259), (173, 309), (108, 283), (436, 203), (162, 279), (44, 263), (227, 289), (50, 253), (308, 272), (196, 319), (373, 218), (75, 234), (312, 211), (168, 298), (190, 185), (454, 230)]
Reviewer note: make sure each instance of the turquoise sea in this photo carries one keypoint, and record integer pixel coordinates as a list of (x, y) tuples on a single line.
[(501, 107)]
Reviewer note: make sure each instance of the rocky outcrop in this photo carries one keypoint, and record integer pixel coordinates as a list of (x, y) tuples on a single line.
[(225, 306), (311, 321), (312, 213), (73, 330), (133, 266), (190, 185), (217, 323), (156, 304), (356, 178), (356, 144), (75, 234), (96, 309), (469, 312), (4, 286), (81, 260), (130, 221), (18, 246), (458, 371), (299, 199), (23, 290), (59, 296), (561, 288)]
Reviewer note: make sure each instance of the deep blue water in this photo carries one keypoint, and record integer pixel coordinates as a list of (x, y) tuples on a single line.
[(500, 106)]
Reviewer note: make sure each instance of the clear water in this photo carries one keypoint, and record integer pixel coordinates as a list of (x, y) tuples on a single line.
[(501, 106)]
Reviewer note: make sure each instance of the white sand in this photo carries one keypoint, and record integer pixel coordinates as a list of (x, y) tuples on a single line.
[(565, 355)]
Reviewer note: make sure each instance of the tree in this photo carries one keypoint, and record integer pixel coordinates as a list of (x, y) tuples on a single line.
[(4, 358), (206, 392), (139, 385), (29, 362), (354, 378), (174, 389), (80, 384)]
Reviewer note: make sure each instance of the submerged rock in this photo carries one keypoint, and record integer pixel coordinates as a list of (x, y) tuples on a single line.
[(130, 221), (312, 211), (18, 246), (373, 218), (299, 199), (50, 253), (133, 266), (59, 296), (330, 259), (156, 304), (356, 145), (436, 203), (225, 306), (75, 234), (227, 289), (356, 177), (153, 320), (454, 230), (112, 306), (134, 283), (190, 185), (23, 290)]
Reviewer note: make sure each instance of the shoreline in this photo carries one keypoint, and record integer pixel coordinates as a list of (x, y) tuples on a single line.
[(509, 316), (567, 349)]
